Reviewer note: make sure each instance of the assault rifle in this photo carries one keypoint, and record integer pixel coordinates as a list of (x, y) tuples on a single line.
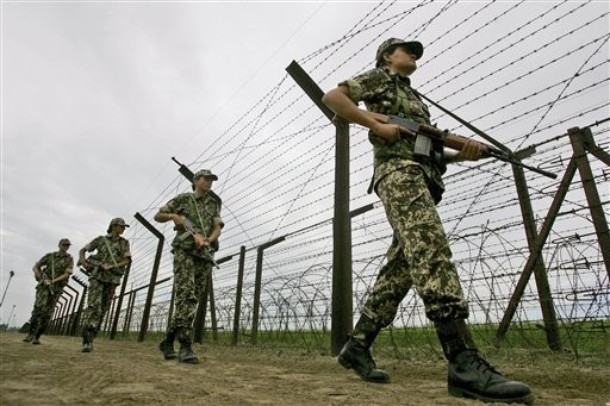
[(184, 170), (426, 134), (94, 264), (189, 228), (43, 281)]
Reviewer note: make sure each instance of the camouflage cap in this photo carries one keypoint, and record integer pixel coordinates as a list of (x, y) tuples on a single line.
[(414, 46), (118, 221), (204, 172), (64, 241)]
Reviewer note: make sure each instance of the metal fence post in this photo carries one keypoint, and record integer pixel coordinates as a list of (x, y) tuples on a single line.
[(153, 274), (240, 282), (257, 285)]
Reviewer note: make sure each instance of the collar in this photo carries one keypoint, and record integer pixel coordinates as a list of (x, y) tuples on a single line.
[(394, 76)]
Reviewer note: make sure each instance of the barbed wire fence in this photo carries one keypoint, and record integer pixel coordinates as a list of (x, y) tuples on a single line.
[(524, 72)]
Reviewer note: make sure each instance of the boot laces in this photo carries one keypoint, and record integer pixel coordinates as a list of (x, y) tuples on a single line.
[(480, 363)]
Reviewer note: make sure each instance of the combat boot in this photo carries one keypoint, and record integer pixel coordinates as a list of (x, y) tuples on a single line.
[(167, 345), (36, 340), (28, 338), (470, 375), (88, 335), (186, 353), (356, 356)]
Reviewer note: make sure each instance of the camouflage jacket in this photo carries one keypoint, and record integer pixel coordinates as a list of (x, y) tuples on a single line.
[(54, 264), (389, 93), (204, 214), (108, 251)]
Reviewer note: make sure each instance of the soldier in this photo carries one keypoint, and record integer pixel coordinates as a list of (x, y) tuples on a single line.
[(410, 187), (105, 268), (198, 224), (52, 272)]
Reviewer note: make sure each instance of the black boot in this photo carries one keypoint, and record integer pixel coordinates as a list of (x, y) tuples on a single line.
[(167, 345), (31, 333), (36, 339), (470, 375), (358, 357), (356, 354), (186, 353), (88, 335)]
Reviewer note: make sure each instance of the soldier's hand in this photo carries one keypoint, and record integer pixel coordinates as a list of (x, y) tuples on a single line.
[(201, 241), (47, 282), (472, 151), (389, 133), (179, 220)]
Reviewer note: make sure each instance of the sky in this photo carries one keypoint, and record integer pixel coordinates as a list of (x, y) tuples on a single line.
[(97, 96)]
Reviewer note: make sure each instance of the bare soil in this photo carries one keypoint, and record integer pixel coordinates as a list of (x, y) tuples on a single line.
[(126, 372)]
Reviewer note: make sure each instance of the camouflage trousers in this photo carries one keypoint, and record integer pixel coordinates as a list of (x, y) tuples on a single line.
[(190, 280), (99, 299), (44, 306), (418, 257)]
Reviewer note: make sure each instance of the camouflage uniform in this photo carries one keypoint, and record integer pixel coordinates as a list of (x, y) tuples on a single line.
[(409, 189), (102, 283), (192, 265), (52, 265)]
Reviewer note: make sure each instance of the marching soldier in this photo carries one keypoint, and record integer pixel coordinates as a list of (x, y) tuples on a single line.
[(106, 268), (52, 272), (410, 186), (198, 224)]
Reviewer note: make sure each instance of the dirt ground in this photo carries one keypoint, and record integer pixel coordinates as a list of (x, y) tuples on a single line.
[(124, 372)]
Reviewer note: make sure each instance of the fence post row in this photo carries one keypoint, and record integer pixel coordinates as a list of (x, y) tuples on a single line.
[(582, 142), (81, 305), (73, 316)]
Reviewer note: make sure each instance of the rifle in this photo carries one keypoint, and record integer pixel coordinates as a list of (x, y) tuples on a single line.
[(95, 263), (189, 228), (425, 134), (43, 281), (184, 170)]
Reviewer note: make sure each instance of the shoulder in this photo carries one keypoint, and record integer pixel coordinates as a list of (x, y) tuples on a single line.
[(215, 197), (178, 199), (46, 256), (376, 74)]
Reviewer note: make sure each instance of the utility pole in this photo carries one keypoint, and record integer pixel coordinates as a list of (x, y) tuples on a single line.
[(10, 276)]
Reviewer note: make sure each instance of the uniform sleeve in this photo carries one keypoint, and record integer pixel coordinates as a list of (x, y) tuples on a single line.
[(127, 250), (93, 245), (216, 218), (364, 87), (176, 205), (42, 261), (70, 266)]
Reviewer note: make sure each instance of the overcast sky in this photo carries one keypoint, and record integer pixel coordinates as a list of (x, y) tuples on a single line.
[(97, 96)]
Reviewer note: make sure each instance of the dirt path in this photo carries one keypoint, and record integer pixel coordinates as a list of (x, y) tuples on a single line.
[(121, 372)]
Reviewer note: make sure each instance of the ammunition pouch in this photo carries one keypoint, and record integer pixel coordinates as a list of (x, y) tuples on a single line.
[(429, 150)]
